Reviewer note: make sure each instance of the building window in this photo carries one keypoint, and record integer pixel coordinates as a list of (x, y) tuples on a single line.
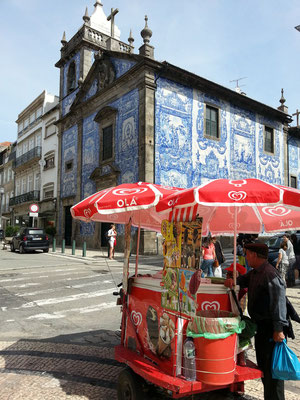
[(30, 183), (107, 143), (293, 181), (39, 112), (212, 122), (48, 190), (71, 77), (269, 140), (69, 166), (50, 130), (49, 162), (37, 182)]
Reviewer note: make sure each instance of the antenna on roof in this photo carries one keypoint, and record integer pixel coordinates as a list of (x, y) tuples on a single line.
[(238, 87)]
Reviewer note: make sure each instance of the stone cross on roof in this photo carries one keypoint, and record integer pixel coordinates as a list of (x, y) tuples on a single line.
[(297, 113), (112, 18)]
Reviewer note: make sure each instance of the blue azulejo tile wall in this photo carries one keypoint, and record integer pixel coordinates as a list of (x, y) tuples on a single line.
[(185, 157), (90, 161), (69, 156), (126, 136)]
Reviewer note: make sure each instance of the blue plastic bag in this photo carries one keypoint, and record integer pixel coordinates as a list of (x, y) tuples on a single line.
[(285, 364)]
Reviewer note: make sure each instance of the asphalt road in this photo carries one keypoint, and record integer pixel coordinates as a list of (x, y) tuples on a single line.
[(59, 323)]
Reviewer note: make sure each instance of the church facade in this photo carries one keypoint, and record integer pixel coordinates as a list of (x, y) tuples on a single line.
[(126, 117)]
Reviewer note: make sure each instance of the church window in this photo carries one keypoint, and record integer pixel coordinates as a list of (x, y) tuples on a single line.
[(107, 143), (71, 77), (212, 122), (69, 166), (293, 181), (269, 140)]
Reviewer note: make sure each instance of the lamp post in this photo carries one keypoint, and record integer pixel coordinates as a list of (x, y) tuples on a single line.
[(1, 196)]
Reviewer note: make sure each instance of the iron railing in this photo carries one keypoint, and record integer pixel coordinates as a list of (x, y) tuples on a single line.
[(34, 195), (30, 155)]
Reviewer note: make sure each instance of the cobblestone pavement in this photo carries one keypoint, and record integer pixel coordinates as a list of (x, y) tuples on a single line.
[(82, 367)]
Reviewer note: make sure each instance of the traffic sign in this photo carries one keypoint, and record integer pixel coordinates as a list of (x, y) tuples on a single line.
[(33, 214), (34, 208)]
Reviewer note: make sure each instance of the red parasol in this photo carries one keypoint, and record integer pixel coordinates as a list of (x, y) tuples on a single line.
[(247, 206), (120, 203), (233, 206)]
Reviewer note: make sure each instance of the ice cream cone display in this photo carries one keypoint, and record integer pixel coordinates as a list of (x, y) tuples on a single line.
[(166, 335)]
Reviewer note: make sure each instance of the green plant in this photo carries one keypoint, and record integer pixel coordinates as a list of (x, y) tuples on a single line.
[(11, 230), (50, 230)]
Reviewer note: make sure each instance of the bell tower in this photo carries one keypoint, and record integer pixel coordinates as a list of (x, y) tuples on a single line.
[(77, 54)]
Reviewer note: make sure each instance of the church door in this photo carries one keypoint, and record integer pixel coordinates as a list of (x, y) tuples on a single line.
[(68, 225)]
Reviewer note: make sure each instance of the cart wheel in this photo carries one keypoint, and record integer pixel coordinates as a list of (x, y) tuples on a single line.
[(21, 249), (129, 386), (12, 247)]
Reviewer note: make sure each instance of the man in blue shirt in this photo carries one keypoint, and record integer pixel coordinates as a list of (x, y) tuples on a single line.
[(267, 308)]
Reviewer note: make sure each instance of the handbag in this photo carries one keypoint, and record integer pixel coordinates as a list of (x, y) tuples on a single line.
[(216, 263), (285, 364)]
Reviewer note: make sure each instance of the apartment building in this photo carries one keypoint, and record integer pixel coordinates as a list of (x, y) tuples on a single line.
[(33, 129)]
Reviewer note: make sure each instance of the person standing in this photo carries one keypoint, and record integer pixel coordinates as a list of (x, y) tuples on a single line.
[(292, 259), (208, 255), (219, 256), (267, 308), (112, 234), (282, 263)]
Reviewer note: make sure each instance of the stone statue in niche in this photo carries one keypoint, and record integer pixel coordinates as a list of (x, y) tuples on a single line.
[(106, 74)]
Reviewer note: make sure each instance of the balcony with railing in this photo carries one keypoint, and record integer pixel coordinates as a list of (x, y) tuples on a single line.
[(36, 152), (34, 195)]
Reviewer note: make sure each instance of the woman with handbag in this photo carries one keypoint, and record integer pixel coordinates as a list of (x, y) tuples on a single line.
[(208, 256)]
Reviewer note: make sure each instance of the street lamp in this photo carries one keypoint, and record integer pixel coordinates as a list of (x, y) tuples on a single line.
[(1, 196)]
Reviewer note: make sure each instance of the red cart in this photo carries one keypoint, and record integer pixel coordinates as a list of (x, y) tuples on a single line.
[(156, 311)]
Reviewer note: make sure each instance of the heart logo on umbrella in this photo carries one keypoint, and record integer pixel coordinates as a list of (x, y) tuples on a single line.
[(87, 213), (207, 305), (237, 196), (136, 318), (278, 211), (124, 191)]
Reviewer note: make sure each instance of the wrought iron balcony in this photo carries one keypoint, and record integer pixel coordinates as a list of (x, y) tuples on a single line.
[(36, 152), (34, 195)]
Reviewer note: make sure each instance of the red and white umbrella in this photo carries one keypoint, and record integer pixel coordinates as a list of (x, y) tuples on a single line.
[(120, 203), (237, 206), (228, 206)]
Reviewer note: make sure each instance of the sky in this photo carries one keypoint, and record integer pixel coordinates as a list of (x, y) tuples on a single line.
[(219, 40)]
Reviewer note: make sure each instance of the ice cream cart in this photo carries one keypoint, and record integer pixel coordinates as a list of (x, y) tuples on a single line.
[(156, 312), (157, 309)]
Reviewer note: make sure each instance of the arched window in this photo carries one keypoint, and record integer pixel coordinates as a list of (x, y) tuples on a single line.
[(71, 77)]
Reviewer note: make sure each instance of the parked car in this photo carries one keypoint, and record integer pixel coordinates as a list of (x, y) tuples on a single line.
[(274, 245), (30, 239)]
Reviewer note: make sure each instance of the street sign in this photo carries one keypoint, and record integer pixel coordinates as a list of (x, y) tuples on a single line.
[(33, 214), (34, 208)]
